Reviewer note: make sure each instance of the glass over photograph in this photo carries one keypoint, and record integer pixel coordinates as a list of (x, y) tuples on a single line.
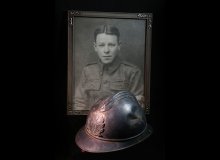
[(107, 53)]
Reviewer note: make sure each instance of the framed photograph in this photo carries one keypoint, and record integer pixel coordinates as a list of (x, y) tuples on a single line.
[(108, 52)]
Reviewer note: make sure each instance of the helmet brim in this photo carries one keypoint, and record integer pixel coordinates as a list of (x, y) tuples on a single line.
[(90, 144)]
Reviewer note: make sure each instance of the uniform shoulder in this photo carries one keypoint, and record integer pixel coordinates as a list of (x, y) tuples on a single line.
[(91, 63), (129, 65), (91, 66)]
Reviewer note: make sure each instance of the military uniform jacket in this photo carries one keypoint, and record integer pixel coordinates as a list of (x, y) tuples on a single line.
[(98, 81)]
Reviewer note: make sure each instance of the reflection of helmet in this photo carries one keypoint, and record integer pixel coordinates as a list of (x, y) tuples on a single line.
[(114, 123)]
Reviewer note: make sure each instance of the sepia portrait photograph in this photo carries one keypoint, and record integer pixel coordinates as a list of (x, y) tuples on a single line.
[(108, 52)]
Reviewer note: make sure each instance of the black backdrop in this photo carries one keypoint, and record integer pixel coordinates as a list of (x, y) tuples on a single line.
[(36, 64), (63, 128)]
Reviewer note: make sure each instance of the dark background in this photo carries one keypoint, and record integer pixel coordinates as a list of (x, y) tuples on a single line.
[(63, 128), (33, 75), (34, 80)]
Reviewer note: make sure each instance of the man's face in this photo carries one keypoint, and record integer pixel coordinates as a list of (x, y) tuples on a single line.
[(107, 47)]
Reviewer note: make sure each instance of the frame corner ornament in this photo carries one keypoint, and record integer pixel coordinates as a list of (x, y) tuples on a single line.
[(148, 16), (69, 108), (75, 13)]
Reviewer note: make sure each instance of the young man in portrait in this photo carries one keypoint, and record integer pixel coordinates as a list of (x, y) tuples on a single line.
[(110, 74)]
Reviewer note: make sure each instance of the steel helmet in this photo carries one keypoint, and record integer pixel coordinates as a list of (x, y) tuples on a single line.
[(113, 123)]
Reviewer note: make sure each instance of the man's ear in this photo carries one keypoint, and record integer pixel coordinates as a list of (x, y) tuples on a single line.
[(119, 45), (94, 45)]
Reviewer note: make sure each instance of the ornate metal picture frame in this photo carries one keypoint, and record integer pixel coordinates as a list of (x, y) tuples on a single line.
[(107, 52)]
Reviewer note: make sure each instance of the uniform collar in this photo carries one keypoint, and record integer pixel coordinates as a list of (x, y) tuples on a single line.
[(110, 68)]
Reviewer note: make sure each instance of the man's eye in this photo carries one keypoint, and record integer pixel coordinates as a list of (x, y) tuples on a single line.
[(101, 45), (111, 45)]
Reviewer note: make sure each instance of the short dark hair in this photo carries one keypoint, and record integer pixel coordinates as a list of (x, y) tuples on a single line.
[(107, 29)]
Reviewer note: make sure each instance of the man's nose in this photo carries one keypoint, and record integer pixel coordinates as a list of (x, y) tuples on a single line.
[(106, 49)]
